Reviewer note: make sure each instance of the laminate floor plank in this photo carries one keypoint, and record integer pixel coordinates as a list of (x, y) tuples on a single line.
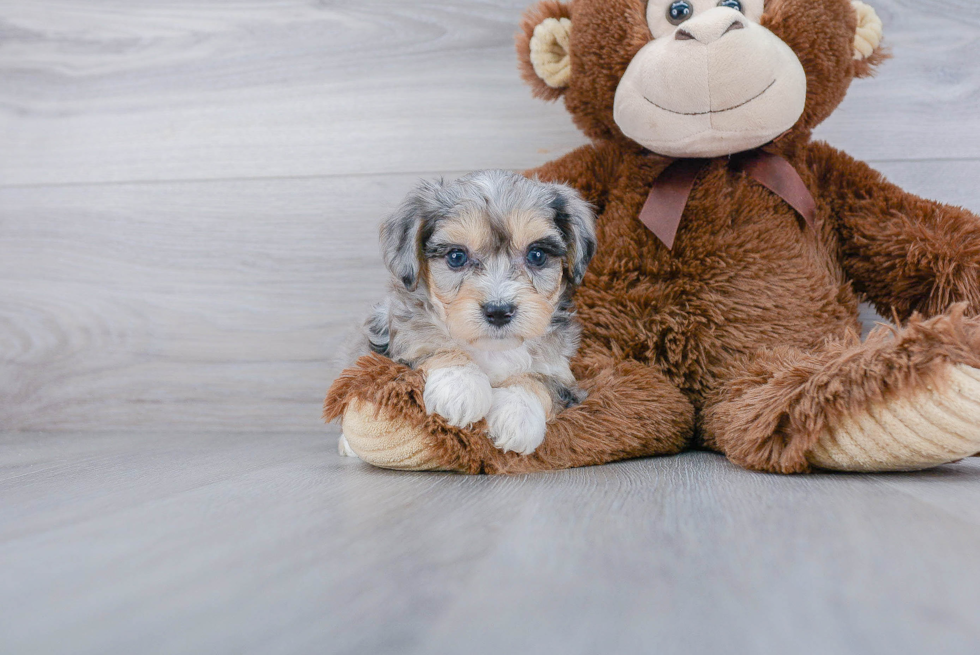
[(954, 490), (109, 91), (211, 305), (692, 555), (234, 543), (208, 305), (244, 546)]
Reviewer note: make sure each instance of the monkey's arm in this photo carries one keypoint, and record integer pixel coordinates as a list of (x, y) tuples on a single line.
[(904, 253), (588, 170), (631, 411)]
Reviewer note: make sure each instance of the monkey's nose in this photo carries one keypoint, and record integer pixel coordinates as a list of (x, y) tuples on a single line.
[(710, 29), (499, 314)]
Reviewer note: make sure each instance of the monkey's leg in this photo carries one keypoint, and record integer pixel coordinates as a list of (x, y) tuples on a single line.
[(903, 400), (631, 411)]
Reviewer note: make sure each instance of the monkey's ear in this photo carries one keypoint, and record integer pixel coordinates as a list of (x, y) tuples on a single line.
[(544, 48), (401, 234), (868, 52), (576, 222)]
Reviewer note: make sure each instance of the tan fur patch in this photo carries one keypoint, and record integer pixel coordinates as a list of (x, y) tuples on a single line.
[(472, 230), (445, 360), (526, 228), (463, 316), (534, 315)]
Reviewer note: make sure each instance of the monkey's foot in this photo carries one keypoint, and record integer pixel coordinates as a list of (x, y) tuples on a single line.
[(935, 424), (387, 443)]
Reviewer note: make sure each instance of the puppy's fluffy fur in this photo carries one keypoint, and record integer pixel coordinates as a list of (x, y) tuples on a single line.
[(484, 270)]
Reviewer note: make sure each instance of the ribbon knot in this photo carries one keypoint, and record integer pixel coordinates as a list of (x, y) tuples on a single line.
[(668, 198)]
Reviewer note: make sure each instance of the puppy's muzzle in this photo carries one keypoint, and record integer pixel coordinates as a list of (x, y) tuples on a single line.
[(499, 314)]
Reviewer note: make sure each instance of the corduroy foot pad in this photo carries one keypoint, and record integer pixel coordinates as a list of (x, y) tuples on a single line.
[(931, 427), (384, 444)]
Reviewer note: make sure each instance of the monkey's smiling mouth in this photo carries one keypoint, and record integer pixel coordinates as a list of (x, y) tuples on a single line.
[(717, 111)]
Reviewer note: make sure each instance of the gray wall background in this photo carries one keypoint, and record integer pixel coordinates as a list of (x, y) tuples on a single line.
[(190, 190)]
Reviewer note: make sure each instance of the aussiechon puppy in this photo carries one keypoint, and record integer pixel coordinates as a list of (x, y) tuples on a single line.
[(484, 270)]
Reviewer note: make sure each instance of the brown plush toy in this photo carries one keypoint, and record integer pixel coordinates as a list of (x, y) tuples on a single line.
[(721, 310)]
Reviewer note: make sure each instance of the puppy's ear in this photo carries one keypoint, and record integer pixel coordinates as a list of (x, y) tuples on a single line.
[(544, 48), (576, 222), (402, 234)]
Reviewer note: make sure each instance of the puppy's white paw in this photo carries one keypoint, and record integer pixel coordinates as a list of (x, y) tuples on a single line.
[(344, 448), (516, 421), (459, 394)]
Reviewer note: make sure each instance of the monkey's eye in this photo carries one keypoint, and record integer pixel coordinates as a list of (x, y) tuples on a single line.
[(731, 4), (537, 257), (679, 11), (457, 258)]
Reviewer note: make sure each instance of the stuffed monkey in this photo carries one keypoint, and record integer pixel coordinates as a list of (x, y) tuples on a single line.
[(721, 309)]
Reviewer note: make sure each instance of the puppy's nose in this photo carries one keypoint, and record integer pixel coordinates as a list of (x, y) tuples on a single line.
[(499, 314)]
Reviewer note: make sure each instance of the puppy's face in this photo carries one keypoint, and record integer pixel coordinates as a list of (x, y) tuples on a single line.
[(496, 254), (496, 280)]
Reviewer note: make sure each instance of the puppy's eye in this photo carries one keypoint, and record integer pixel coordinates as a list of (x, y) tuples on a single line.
[(731, 4), (537, 257), (457, 258), (679, 11)]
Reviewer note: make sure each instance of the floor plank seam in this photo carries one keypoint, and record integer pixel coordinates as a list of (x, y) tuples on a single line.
[(342, 176)]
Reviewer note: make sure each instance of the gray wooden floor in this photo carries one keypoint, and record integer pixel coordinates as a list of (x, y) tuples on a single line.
[(270, 543), (189, 197)]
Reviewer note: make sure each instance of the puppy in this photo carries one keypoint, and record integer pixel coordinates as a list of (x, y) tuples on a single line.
[(484, 269)]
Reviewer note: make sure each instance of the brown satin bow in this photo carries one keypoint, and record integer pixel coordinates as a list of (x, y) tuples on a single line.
[(665, 205)]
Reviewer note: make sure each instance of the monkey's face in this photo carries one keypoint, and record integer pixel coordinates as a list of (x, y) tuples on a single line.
[(698, 78), (712, 82)]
